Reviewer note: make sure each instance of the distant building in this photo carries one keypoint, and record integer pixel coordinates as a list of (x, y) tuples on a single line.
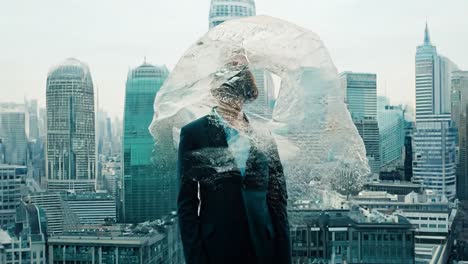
[(434, 158), (361, 98), (67, 211), (460, 118), (33, 120), (71, 148), (149, 188), (262, 107), (25, 243), (398, 188), (350, 236), (220, 11), (60, 217), (13, 135), (12, 190), (460, 233), (408, 153), (91, 207), (391, 121), (429, 213), (149, 243)]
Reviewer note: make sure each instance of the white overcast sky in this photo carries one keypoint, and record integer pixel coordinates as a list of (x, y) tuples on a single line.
[(112, 36)]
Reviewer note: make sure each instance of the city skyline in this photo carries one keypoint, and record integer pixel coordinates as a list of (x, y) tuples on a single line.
[(386, 46)]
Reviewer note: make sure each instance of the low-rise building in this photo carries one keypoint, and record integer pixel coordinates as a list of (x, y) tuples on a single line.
[(25, 241), (110, 244), (350, 236), (91, 207), (392, 187), (430, 214), (12, 189)]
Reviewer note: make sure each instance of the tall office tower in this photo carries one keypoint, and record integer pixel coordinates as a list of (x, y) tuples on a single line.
[(222, 10), (434, 158), (42, 122), (459, 116), (71, 149), (13, 134), (148, 192), (391, 121), (261, 108), (361, 98), (33, 120)]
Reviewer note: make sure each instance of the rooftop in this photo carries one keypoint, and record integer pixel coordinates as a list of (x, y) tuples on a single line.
[(344, 218)]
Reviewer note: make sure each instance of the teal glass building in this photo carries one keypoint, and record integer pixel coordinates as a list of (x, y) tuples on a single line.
[(391, 121), (140, 199)]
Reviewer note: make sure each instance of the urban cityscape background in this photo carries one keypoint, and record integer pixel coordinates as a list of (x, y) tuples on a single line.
[(82, 184)]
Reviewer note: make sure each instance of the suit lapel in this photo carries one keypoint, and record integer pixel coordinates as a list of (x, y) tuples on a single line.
[(216, 133)]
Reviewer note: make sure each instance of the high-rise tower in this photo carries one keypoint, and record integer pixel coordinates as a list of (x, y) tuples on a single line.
[(222, 10), (460, 118), (71, 149), (148, 193), (434, 158), (361, 98), (13, 134)]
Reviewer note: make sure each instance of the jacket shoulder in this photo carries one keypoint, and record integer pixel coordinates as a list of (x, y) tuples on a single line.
[(196, 127)]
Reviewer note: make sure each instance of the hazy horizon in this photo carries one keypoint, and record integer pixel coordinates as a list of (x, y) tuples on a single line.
[(114, 36)]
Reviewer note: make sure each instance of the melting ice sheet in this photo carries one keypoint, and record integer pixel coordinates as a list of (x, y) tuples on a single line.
[(319, 145)]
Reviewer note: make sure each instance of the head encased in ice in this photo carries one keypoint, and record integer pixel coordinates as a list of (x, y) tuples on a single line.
[(241, 86)]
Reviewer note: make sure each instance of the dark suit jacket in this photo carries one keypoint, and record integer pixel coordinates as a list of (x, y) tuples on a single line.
[(224, 217)]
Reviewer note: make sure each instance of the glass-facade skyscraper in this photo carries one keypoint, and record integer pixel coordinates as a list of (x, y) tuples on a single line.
[(13, 135), (434, 156), (460, 118), (222, 10), (70, 148), (144, 195), (392, 133), (361, 98)]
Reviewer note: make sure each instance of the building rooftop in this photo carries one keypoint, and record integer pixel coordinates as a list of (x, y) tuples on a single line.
[(396, 184), (344, 218), (69, 67)]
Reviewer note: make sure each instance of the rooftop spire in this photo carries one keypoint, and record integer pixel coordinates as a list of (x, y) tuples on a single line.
[(427, 38)]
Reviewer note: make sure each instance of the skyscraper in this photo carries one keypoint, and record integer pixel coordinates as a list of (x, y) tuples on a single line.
[(222, 10), (459, 116), (71, 149), (392, 133), (13, 134), (434, 161), (148, 193), (361, 98), (33, 120)]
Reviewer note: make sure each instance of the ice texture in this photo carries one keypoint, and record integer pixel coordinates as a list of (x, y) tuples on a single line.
[(319, 145)]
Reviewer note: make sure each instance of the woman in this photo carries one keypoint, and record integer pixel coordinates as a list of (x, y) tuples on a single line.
[(232, 199)]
